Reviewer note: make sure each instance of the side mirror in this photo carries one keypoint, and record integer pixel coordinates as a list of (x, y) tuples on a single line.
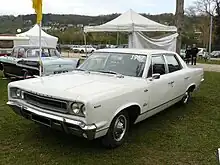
[(156, 76)]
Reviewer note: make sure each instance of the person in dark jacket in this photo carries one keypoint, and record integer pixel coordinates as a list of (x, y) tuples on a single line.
[(194, 52), (188, 54)]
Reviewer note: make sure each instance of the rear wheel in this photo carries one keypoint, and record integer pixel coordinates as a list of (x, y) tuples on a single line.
[(187, 97), (118, 131), (4, 73)]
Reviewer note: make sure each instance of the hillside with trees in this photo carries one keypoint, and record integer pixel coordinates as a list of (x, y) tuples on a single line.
[(68, 27)]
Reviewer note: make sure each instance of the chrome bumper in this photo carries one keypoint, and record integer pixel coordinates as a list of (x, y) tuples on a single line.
[(61, 123)]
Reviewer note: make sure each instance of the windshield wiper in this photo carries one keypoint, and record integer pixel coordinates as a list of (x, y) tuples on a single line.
[(110, 72), (78, 69)]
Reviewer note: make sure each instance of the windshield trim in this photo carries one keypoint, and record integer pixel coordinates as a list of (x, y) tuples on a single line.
[(108, 56)]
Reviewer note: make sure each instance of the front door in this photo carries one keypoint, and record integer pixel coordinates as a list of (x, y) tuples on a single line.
[(159, 89)]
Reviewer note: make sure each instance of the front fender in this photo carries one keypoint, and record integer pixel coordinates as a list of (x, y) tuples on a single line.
[(121, 108)]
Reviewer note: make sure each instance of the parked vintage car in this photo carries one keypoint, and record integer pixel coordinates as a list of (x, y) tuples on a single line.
[(24, 62), (83, 49), (111, 90), (215, 54)]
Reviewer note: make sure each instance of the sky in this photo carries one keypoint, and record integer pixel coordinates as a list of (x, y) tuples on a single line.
[(90, 7)]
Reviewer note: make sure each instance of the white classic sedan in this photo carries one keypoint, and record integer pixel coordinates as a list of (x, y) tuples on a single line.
[(111, 90)]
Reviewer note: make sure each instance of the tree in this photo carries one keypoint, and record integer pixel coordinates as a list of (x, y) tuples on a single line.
[(217, 25), (207, 9), (179, 22)]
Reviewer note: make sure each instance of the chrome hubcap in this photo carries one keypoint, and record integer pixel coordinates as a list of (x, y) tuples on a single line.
[(120, 128), (186, 97)]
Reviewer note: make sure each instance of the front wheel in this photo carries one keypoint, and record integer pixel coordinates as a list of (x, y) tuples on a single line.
[(118, 131)]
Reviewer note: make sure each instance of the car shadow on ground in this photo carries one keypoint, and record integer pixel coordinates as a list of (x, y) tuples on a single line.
[(62, 141)]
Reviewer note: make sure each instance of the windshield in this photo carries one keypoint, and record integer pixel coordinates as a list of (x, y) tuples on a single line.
[(45, 52), (115, 63)]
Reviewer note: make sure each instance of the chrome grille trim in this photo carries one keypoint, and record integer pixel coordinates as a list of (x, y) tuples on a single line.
[(45, 102)]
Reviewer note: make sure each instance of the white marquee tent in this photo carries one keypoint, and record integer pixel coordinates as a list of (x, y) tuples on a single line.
[(135, 23), (33, 34), (139, 40), (130, 21)]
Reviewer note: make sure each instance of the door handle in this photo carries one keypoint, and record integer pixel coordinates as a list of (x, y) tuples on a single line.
[(171, 82), (186, 78)]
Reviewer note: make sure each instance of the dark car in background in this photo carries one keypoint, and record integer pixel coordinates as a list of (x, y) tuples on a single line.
[(24, 62)]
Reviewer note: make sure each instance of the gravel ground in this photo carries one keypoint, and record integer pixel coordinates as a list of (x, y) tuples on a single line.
[(208, 67)]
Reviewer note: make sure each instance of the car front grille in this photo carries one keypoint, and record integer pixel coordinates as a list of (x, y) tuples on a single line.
[(46, 102)]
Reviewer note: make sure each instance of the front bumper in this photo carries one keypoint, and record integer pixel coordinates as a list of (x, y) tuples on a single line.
[(75, 127)]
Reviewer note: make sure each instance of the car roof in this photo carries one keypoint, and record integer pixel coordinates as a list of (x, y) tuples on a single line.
[(133, 51), (33, 46)]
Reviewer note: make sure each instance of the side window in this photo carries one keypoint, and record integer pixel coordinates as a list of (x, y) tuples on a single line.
[(173, 63), (21, 53), (158, 63), (54, 53), (45, 53), (14, 53)]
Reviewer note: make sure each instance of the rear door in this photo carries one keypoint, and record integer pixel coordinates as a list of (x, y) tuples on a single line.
[(177, 76)]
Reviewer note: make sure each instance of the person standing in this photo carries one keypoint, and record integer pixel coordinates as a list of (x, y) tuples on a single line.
[(194, 52), (188, 54)]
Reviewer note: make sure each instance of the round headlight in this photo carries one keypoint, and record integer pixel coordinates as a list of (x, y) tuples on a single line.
[(18, 93), (83, 109), (22, 94), (75, 108)]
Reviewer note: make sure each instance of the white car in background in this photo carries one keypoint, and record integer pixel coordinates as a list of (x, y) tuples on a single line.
[(84, 49), (111, 90), (215, 54)]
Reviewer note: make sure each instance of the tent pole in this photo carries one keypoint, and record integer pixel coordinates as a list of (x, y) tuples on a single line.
[(40, 47), (117, 38), (84, 36), (132, 35)]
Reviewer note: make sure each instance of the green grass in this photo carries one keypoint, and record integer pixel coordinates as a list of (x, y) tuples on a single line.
[(202, 61), (179, 135)]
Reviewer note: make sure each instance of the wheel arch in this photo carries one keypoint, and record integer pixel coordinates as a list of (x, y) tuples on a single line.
[(133, 109), (1, 66), (191, 87)]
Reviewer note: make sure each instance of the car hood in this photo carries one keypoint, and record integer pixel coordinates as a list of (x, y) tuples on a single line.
[(77, 85)]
